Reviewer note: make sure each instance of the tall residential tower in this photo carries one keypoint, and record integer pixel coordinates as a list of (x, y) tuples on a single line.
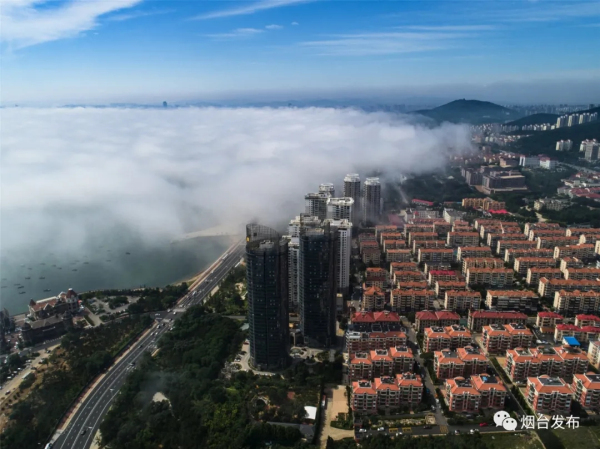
[(371, 200), (352, 190), (267, 278)]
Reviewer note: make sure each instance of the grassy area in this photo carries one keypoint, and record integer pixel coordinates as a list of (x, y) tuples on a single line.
[(587, 437), (512, 441)]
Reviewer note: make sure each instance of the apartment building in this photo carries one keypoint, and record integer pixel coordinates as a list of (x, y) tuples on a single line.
[(492, 390), (570, 262), (554, 241), (364, 397), (442, 228), (521, 300), (435, 255), (427, 244), (447, 364), (479, 318), (407, 276), (393, 244), (548, 319), (521, 363), (513, 253), (382, 362), (483, 203), (443, 275), (360, 367), (503, 245), (435, 339), (421, 236), (421, 285), (462, 300), (417, 227), (498, 338), (575, 361), (497, 277), (403, 266), (474, 359), (574, 302), (548, 287), (461, 395), (583, 320), (473, 251), (386, 394), (455, 239), (403, 360), (589, 239), (442, 318), (577, 274), (398, 255), (583, 334), (586, 390), (407, 300), (481, 262), (370, 252), (373, 298), (577, 232), (370, 341), (549, 395), (464, 361), (411, 388), (535, 233), (367, 321), (492, 239), (594, 353), (441, 287), (534, 274), (394, 235), (523, 263), (540, 225), (384, 229), (376, 277), (584, 251), (435, 266)]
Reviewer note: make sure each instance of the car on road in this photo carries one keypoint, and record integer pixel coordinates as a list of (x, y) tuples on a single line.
[(399, 434), (433, 409), (473, 431), (380, 429), (362, 430), (483, 424), (457, 432), (83, 432)]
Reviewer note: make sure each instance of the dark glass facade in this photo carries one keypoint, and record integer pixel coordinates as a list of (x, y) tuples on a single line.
[(267, 296), (317, 287)]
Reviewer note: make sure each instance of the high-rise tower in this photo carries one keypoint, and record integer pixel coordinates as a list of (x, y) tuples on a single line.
[(328, 188), (352, 190), (344, 231), (371, 200), (267, 296), (340, 208), (315, 204), (317, 288)]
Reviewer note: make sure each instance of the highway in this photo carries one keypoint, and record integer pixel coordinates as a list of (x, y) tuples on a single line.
[(85, 421)]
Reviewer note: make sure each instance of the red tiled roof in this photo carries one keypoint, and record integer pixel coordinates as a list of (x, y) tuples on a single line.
[(587, 317), (549, 315)]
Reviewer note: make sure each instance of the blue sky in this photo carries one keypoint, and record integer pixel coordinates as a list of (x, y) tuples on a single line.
[(147, 51)]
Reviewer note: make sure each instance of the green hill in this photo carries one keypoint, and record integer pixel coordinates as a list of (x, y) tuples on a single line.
[(535, 119), (545, 141), (470, 111)]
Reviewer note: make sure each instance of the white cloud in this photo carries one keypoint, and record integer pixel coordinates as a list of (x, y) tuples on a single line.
[(274, 27), (250, 9), (294, 24), (69, 175), (237, 33), (30, 22), (450, 28), (365, 44)]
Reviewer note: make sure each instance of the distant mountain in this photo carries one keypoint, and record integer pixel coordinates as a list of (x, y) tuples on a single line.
[(535, 119), (471, 111), (545, 141)]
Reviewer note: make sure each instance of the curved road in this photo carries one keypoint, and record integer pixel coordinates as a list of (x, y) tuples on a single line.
[(86, 419)]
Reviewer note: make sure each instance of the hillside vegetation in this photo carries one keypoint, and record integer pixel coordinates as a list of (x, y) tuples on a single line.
[(470, 111)]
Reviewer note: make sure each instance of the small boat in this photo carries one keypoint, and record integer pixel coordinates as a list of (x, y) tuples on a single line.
[(27, 278), (60, 268), (22, 293), (22, 286), (74, 269), (128, 253), (17, 284), (47, 290)]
